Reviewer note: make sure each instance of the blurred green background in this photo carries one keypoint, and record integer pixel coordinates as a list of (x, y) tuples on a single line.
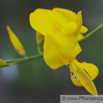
[(34, 81)]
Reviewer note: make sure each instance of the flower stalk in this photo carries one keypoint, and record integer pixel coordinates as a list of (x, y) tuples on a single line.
[(41, 55), (24, 59), (91, 33)]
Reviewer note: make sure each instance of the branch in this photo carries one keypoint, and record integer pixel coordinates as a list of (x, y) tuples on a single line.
[(25, 59), (91, 33), (41, 55)]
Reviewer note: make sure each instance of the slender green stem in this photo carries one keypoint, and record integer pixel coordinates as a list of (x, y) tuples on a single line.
[(91, 33), (41, 55), (25, 59)]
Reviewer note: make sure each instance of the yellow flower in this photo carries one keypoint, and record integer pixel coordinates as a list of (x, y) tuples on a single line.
[(15, 42), (62, 29)]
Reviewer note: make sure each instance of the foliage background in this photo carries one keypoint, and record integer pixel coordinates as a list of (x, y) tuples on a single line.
[(34, 81)]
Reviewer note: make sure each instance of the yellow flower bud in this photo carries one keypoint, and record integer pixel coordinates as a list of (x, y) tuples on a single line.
[(39, 39), (3, 63), (15, 42)]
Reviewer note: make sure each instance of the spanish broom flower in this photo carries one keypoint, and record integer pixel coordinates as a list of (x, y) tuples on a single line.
[(16, 42), (62, 29)]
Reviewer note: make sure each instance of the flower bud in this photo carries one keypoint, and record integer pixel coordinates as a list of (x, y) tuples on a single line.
[(39, 39), (15, 42), (3, 63)]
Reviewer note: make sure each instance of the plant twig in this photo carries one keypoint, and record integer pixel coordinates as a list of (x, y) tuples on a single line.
[(41, 55), (91, 33), (25, 59)]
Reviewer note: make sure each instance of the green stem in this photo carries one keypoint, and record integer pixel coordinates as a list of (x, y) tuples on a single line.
[(91, 33), (41, 55), (25, 59)]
